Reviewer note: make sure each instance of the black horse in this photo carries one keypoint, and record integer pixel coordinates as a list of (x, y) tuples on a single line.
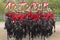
[(24, 27), (39, 25), (43, 28), (46, 28), (53, 23), (18, 31), (34, 29), (50, 27), (9, 25), (29, 27)]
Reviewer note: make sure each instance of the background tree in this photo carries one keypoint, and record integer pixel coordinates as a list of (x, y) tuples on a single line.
[(53, 4)]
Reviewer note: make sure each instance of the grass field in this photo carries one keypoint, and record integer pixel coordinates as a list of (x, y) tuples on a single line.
[(1, 20)]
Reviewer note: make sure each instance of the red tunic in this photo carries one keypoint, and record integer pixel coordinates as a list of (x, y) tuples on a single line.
[(51, 16), (21, 17), (9, 14), (35, 16), (24, 15), (47, 16), (15, 16), (29, 15), (41, 15)]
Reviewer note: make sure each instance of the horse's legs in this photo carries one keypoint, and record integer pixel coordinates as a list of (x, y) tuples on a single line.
[(44, 37), (17, 38), (32, 36), (8, 36), (29, 35), (54, 25), (41, 35), (50, 32), (20, 38)]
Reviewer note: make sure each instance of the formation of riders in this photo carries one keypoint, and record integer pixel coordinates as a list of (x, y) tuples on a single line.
[(35, 20)]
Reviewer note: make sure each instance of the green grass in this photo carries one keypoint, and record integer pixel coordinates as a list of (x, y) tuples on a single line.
[(1, 20)]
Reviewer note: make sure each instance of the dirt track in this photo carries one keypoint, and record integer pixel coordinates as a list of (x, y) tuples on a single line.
[(55, 36)]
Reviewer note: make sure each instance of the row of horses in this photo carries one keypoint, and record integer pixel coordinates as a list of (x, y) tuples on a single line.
[(29, 27)]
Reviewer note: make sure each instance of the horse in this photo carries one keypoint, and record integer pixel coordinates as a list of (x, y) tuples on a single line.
[(23, 25), (34, 29), (43, 28), (9, 25), (46, 28), (18, 32), (29, 28), (39, 24), (53, 23), (50, 26)]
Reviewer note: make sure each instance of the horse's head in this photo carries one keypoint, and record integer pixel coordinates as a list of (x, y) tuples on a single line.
[(39, 22), (44, 22), (10, 19), (9, 24), (17, 22), (18, 25)]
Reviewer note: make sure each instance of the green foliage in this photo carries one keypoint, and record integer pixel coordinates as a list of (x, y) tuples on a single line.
[(1, 7), (2, 20), (53, 4)]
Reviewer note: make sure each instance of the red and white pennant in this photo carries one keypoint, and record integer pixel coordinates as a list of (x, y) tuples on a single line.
[(10, 4), (22, 3), (44, 4)]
